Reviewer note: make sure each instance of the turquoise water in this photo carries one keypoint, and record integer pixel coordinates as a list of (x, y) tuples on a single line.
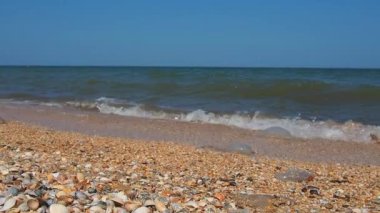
[(310, 95)]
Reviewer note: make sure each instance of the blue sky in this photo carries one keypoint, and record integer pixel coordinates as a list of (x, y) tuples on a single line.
[(303, 33)]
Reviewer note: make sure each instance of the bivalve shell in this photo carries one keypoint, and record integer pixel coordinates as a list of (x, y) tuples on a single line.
[(58, 208), (33, 204), (10, 203), (97, 209), (142, 210)]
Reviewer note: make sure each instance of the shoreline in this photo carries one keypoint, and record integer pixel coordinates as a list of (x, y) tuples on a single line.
[(180, 176), (213, 136)]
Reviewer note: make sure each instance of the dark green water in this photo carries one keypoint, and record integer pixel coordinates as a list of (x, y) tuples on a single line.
[(315, 95)]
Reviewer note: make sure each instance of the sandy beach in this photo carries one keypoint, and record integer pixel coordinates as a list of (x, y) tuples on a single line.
[(83, 172)]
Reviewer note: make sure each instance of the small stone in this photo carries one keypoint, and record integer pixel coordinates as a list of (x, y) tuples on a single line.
[(2, 121), (241, 148), (91, 190), (295, 175)]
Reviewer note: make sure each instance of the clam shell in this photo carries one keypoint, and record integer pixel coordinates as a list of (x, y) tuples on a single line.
[(131, 206), (10, 203), (142, 210), (33, 204), (2, 200), (61, 194), (23, 207), (160, 206), (58, 208), (97, 209), (149, 203), (119, 210)]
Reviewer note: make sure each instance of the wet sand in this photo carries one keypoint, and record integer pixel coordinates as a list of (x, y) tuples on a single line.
[(217, 137)]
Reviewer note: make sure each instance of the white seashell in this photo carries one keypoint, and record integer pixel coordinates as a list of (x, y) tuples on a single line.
[(149, 203), (10, 203), (58, 208), (119, 210), (42, 210), (142, 210), (2, 200), (97, 209), (23, 207)]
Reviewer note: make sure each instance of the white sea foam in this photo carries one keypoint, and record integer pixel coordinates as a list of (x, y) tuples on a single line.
[(349, 131)]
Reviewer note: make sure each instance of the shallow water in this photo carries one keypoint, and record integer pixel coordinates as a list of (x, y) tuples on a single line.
[(336, 104)]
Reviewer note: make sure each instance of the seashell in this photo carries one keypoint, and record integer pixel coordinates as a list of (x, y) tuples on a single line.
[(202, 203), (131, 206), (105, 180), (220, 196), (192, 204), (160, 206), (80, 177), (23, 207), (58, 208), (2, 200), (142, 210), (210, 209), (97, 209), (42, 210), (76, 210), (33, 204), (149, 203), (61, 194), (80, 195), (10, 203), (4, 171), (163, 200), (13, 191), (118, 198), (91, 190), (119, 210), (99, 203), (176, 207)]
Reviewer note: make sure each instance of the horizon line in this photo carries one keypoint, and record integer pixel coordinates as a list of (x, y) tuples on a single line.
[(191, 66)]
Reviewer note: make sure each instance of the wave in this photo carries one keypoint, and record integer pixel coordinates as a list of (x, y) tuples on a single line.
[(296, 127)]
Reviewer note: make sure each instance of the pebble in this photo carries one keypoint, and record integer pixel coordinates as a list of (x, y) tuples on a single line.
[(295, 175)]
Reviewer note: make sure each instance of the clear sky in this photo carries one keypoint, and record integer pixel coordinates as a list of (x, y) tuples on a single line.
[(303, 33)]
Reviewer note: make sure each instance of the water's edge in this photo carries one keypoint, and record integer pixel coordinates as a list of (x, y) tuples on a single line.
[(216, 136)]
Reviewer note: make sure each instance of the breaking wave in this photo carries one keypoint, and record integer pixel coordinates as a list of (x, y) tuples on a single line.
[(296, 127)]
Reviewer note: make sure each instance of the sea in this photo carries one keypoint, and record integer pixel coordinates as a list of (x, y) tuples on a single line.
[(333, 104)]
